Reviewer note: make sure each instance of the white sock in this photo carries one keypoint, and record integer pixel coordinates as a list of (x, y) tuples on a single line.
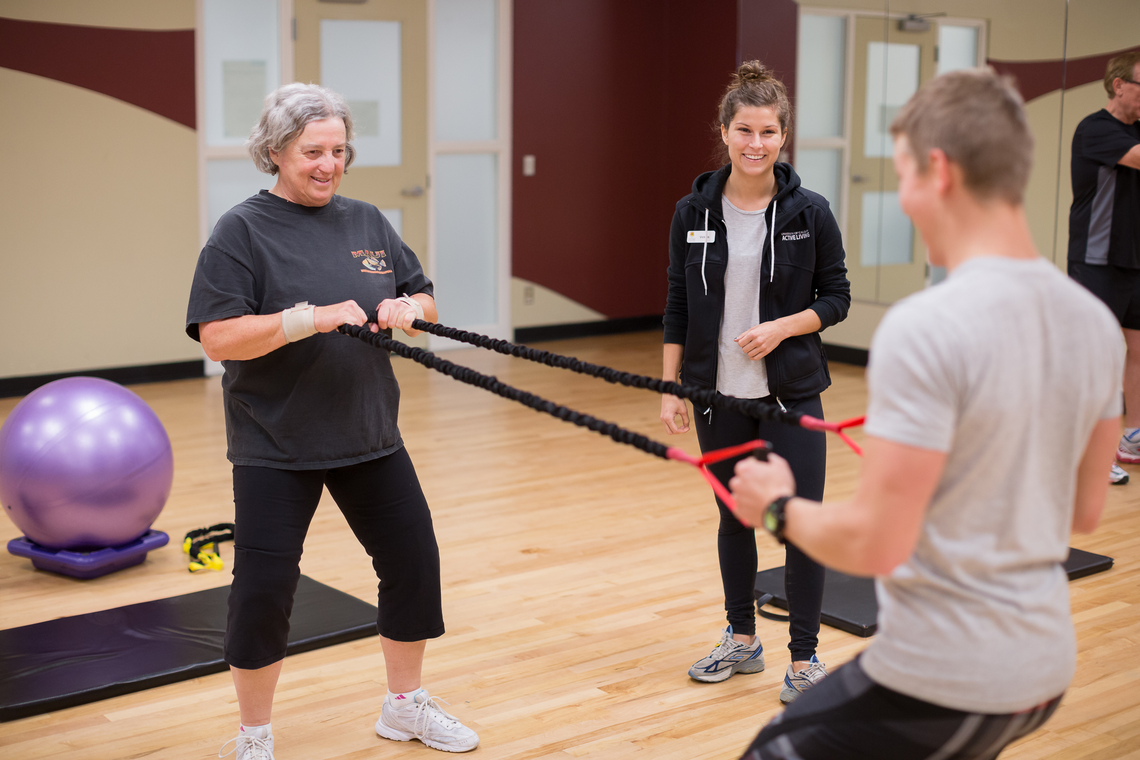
[(259, 732), (403, 699)]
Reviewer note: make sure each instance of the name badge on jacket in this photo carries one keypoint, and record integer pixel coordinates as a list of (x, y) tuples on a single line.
[(702, 236)]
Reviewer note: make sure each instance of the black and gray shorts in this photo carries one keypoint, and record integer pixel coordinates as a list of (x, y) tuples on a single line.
[(1118, 288), (847, 716)]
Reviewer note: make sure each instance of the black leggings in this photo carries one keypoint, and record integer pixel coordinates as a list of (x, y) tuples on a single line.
[(383, 504), (806, 452), (850, 717)]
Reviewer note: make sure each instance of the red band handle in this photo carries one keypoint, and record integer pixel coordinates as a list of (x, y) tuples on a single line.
[(722, 493), (702, 463), (813, 423)]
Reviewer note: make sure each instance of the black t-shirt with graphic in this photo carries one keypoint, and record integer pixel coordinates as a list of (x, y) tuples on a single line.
[(327, 400), (1104, 220)]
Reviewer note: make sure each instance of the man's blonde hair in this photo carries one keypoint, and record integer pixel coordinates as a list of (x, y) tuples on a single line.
[(977, 119), (1122, 67)]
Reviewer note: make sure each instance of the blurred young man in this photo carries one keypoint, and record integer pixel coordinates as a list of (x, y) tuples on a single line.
[(994, 410)]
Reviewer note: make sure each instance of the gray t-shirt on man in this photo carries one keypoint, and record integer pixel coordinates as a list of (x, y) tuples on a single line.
[(1006, 366)]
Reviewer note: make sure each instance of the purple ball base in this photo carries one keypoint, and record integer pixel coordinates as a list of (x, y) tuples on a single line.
[(85, 565)]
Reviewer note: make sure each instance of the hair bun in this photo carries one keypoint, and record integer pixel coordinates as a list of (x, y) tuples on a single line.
[(752, 71)]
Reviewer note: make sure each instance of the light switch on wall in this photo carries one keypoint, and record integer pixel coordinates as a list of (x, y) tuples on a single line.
[(528, 166)]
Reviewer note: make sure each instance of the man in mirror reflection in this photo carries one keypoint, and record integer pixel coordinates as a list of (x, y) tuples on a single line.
[(1104, 226)]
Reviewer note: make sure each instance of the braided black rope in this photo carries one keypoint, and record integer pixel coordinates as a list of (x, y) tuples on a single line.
[(704, 396), (492, 384), (213, 538)]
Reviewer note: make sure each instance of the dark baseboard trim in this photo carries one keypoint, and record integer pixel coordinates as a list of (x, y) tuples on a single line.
[(155, 373), (588, 329), (846, 354), (149, 373)]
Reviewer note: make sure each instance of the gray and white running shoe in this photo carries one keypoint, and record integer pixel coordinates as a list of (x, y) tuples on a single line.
[(728, 657), (796, 684)]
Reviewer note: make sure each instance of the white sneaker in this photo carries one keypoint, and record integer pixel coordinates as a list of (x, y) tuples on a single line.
[(1117, 476), (425, 720), (250, 746)]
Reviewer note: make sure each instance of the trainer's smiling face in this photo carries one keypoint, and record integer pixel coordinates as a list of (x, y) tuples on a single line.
[(310, 168), (754, 139)]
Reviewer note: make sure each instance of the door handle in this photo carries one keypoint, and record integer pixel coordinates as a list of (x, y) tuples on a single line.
[(412, 192), (858, 178)]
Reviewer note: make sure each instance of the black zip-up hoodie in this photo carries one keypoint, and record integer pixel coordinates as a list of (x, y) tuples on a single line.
[(805, 246)]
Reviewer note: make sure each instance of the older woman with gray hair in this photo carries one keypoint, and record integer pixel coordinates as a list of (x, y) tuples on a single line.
[(306, 410)]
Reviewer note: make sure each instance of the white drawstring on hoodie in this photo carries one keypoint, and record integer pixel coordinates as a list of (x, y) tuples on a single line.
[(704, 252), (771, 247)]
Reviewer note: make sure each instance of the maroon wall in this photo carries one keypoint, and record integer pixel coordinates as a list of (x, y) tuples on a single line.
[(768, 32), (1037, 78), (152, 69), (615, 99)]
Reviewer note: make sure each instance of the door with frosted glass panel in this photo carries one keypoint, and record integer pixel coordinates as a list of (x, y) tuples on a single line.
[(375, 55), (885, 257), (470, 165)]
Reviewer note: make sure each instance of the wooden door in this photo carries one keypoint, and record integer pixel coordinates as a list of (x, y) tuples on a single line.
[(401, 183), (885, 257)]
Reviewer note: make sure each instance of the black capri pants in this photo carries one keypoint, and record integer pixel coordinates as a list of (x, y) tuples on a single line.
[(382, 501), (850, 717), (806, 452)]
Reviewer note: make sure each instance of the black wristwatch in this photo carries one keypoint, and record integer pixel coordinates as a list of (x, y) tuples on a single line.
[(774, 520)]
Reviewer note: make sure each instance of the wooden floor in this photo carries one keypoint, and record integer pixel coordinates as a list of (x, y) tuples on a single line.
[(580, 582)]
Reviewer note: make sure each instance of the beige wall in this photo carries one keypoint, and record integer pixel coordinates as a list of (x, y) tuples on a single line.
[(120, 14), (99, 230), (533, 305)]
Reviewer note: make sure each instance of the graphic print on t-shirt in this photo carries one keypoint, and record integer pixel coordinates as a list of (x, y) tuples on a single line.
[(373, 261)]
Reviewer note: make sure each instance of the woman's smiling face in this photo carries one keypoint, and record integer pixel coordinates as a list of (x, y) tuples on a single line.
[(310, 168), (754, 139)]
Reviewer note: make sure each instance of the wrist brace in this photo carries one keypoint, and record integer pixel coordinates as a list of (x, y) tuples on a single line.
[(298, 322), (419, 307)]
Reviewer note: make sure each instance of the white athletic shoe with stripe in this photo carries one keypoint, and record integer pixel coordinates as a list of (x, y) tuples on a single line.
[(1117, 476), (250, 746), (425, 720)]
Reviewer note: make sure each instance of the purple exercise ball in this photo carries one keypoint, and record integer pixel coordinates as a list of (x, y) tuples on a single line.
[(84, 463)]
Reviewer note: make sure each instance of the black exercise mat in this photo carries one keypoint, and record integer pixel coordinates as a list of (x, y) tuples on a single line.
[(849, 603), (75, 660), (1081, 563)]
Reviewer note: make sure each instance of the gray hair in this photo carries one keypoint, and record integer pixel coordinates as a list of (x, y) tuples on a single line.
[(288, 110)]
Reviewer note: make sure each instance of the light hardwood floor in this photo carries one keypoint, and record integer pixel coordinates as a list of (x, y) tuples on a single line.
[(580, 582)]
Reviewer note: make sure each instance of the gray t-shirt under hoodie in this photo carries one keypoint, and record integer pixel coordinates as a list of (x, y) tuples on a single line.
[(736, 374)]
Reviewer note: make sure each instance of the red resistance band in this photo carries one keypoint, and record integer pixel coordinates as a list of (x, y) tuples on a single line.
[(811, 423), (760, 449)]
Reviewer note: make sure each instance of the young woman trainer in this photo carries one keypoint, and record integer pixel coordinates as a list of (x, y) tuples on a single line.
[(756, 270)]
